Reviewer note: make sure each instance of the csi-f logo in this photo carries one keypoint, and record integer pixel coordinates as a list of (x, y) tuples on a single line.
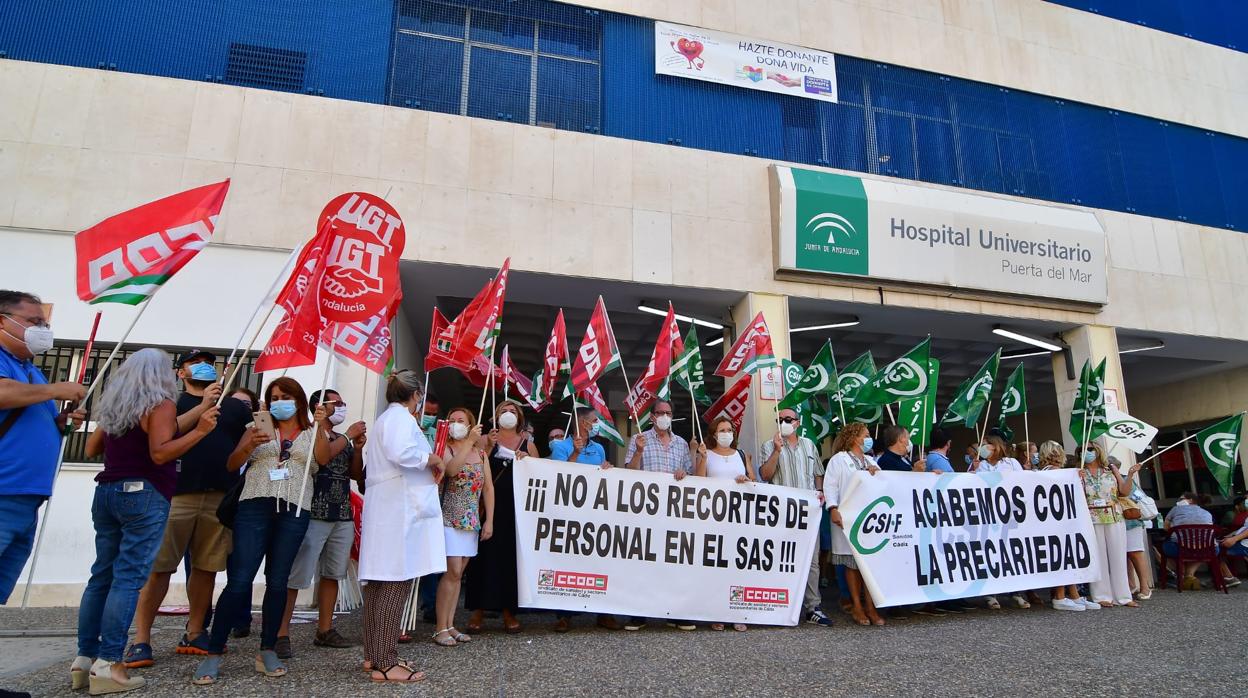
[(1127, 429), (876, 522)]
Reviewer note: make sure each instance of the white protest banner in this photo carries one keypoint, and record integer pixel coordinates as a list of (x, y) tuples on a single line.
[(919, 537), (740, 61), (642, 544), (1128, 430)]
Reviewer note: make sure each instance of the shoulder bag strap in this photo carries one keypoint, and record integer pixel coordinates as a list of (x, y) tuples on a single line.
[(14, 415)]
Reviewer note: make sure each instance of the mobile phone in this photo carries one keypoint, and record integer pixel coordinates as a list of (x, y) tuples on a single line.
[(264, 421)]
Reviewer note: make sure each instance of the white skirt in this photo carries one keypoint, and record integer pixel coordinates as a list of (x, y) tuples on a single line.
[(1136, 540), (460, 543)]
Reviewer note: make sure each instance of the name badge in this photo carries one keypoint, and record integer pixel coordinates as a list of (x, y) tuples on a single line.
[(1099, 503), (131, 486), (277, 474)]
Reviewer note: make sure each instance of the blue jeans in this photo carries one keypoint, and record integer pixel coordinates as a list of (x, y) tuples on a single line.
[(128, 530), (262, 529), (19, 515)]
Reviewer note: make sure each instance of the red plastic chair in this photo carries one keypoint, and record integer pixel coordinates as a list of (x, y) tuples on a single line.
[(1197, 543)]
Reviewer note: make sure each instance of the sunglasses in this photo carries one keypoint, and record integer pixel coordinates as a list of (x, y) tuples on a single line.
[(788, 420), (285, 452)]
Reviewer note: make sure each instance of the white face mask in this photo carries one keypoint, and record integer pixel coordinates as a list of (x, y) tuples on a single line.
[(724, 439), (459, 430), (339, 416), (508, 420), (36, 339), (663, 423), (786, 429)]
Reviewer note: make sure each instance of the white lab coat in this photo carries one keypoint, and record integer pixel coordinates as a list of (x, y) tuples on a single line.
[(401, 534), (841, 469)]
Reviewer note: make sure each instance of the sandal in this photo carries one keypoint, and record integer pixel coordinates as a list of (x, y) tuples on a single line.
[(875, 619), (717, 626), (739, 627), (413, 676), (859, 617), (1130, 604), (448, 641), (512, 627), (267, 663), (475, 621), (459, 637), (208, 671)]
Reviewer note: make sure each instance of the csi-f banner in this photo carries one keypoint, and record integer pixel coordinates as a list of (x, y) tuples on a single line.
[(754, 64), (919, 537), (865, 228), (126, 257), (643, 544), (1133, 433)]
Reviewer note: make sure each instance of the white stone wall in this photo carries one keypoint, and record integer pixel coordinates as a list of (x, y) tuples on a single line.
[(1025, 44), (77, 145)]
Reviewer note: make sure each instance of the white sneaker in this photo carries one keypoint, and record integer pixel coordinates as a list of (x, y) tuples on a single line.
[(1089, 605), (1020, 601), (1066, 605)]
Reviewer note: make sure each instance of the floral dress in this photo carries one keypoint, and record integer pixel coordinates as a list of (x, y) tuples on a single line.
[(461, 501), (1101, 490)]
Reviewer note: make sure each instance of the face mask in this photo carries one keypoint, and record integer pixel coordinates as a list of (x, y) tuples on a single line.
[(204, 372), (593, 430), (552, 442), (1035, 459), (508, 420), (458, 430), (339, 416), (1089, 457), (786, 429), (985, 451), (1181, 503), (427, 421), (868, 444), (724, 439), (36, 339), (663, 423), (282, 409), (967, 459)]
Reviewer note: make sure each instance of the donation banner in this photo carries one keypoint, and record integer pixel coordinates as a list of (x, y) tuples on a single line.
[(741, 61), (919, 537), (642, 544)]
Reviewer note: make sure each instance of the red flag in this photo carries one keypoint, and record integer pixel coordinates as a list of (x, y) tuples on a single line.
[(456, 340), (598, 353), (482, 329), (513, 377), (440, 434), (294, 341), (480, 369), (362, 273), (440, 344), (126, 257), (750, 352), (593, 396), (646, 389), (366, 343), (556, 360), (732, 404)]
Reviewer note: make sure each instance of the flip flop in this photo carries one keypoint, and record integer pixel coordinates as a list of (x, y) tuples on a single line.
[(459, 637), (448, 641)]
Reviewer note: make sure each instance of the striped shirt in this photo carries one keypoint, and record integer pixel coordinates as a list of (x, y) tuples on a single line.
[(659, 458), (799, 465)]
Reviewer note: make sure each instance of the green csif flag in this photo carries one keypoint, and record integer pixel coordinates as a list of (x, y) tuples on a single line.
[(849, 383), (917, 415), (817, 420), (1219, 444), (1089, 406), (819, 379), (1014, 397), (687, 368), (955, 413), (968, 403), (906, 377)]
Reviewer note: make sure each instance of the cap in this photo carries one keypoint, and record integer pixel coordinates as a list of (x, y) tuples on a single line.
[(192, 354)]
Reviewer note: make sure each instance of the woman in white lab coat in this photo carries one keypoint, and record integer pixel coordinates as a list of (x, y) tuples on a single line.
[(401, 534), (851, 449)]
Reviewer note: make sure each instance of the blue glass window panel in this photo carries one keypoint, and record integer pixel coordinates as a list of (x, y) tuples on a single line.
[(1195, 176), (894, 141), (937, 153), (847, 135), (498, 85), (428, 73), (568, 94), (577, 42), (1229, 155), (502, 30), (909, 91), (1090, 142), (981, 161), (803, 137), (432, 18), (1146, 166)]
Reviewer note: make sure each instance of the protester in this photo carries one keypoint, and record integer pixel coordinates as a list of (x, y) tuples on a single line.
[(970, 455), (401, 534), (1065, 598), (582, 448), (793, 461), (724, 461), (242, 625), (270, 523), (31, 429), (658, 450), (249, 398), (1240, 512), (993, 456), (938, 452), (326, 547), (1102, 485), (1138, 566), (203, 480), (137, 433), (491, 575), (469, 489), (554, 435), (895, 441), (851, 449), (1027, 454), (1190, 510)]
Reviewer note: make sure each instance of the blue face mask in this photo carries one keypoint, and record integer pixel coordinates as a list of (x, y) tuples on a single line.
[(1035, 459), (967, 459), (1089, 457), (282, 409), (868, 444), (593, 430), (427, 421), (203, 372)]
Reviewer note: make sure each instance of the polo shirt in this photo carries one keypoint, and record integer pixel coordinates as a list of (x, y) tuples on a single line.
[(657, 458), (891, 461), (938, 463), (30, 449), (592, 454)]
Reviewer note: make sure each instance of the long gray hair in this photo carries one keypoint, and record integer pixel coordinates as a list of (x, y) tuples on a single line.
[(141, 383)]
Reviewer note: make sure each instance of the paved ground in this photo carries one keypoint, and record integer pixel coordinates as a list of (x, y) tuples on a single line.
[(1118, 652)]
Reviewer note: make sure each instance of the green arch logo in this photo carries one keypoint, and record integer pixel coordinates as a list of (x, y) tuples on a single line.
[(856, 529)]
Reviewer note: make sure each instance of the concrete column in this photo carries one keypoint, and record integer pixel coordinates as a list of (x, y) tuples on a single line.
[(760, 421), (1090, 342)]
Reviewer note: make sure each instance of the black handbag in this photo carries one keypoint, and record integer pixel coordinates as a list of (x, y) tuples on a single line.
[(227, 510)]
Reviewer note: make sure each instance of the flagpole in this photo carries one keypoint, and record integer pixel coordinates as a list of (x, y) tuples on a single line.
[(229, 379), (307, 464), (1026, 431), (889, 408), (840, 405), (423, 398), (629, 391), (1167, 448), (696, 425), (490, 387)]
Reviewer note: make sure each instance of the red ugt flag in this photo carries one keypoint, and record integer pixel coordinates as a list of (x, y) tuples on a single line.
[(598, 353), (294, 341), (126, 257), (732, 403), (646, 389), (367, 343), (750, 352)]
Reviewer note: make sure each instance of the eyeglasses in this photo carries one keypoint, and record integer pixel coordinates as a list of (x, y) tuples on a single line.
[(556, 436), (788, 420), (32, 321), (668, 413), (335, 403), (285, 452)]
